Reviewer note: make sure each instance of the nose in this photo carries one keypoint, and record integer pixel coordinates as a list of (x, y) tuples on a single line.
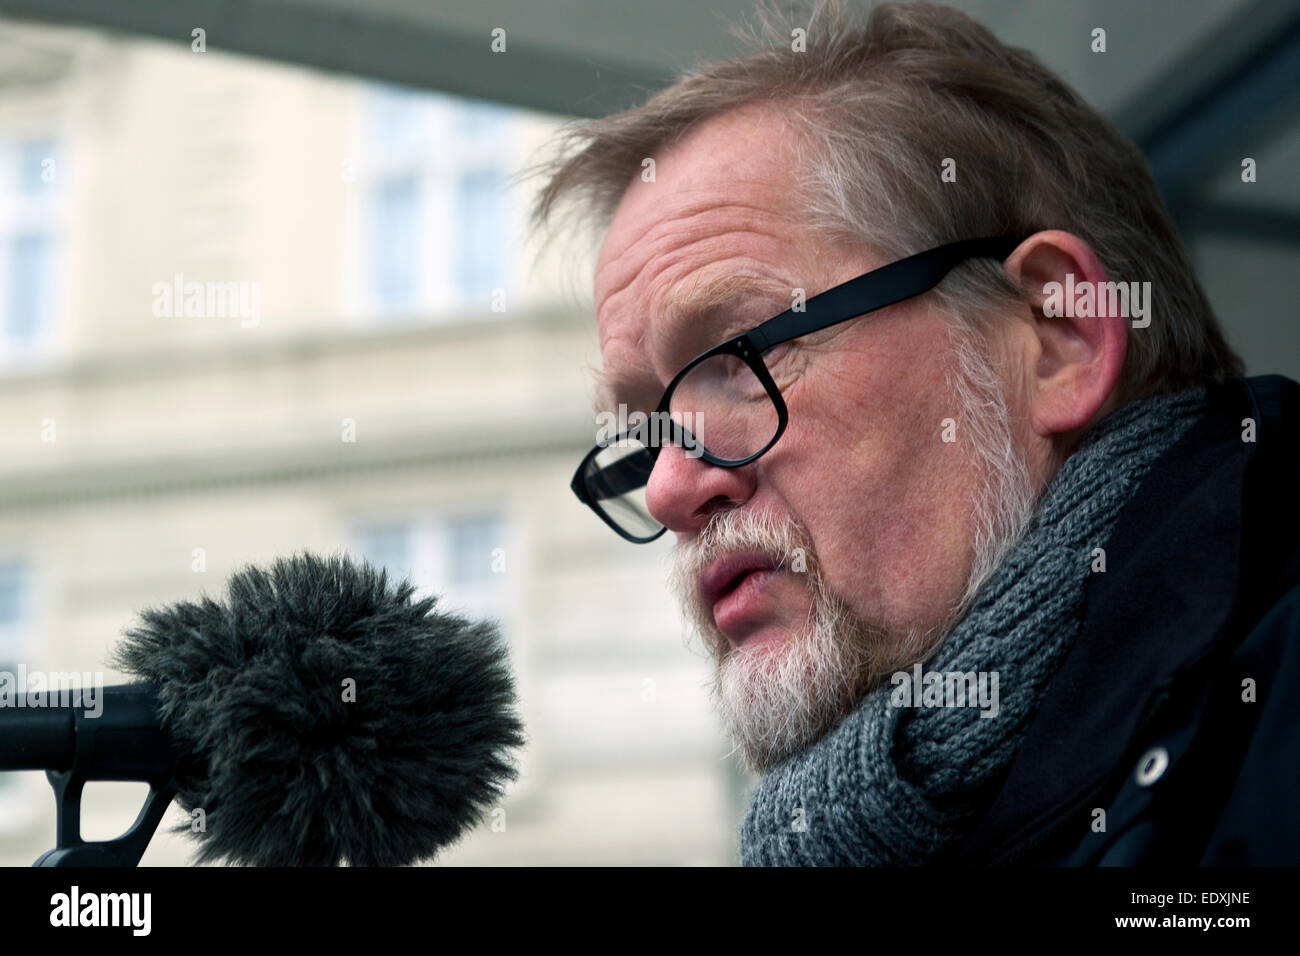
[(684, 492)]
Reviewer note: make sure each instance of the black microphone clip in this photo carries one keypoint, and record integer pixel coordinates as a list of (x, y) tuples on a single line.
[(117, 744)]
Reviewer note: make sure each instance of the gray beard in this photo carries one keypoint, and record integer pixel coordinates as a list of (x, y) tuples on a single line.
[(777, 698)]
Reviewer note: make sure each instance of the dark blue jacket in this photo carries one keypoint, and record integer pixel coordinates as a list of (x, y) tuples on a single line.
[(1177, 712)]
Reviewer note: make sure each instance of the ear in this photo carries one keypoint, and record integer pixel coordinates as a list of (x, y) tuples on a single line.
[(1074, 348)]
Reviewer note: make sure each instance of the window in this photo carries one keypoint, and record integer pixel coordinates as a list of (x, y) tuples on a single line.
[(398, 116), (389, 546), (481, 245), (29, 225), (482, 122), (15, 611), (472, 543), (461, 558), (395, 242), (37, 166), (437, 229), (13, 608)]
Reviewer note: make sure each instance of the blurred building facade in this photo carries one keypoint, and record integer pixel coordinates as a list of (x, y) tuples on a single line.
[(248, 309)]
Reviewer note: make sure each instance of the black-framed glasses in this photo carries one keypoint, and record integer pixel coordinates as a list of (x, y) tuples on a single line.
[(724, 407)]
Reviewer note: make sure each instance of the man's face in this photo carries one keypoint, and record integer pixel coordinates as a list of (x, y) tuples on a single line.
[(861, 480)]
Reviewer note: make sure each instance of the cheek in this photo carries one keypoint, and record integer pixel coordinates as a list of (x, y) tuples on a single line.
[(886, 500)]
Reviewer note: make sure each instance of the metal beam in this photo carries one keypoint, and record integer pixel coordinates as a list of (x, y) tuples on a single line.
[(1235, 92), (417, 52), (1280, 227)]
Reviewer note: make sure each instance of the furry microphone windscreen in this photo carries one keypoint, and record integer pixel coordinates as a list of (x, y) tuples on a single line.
[(325, 717)]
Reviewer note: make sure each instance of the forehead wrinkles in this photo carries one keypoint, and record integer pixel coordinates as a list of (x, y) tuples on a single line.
[(702, 293), (703, 218), (652, 287)]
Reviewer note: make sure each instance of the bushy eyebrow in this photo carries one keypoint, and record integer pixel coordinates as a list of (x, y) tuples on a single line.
[(690, 307)]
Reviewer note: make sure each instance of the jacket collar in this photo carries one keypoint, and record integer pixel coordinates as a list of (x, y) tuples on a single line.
[(1172, 587)]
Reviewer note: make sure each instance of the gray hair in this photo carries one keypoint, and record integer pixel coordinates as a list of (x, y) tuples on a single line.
[(879, 99)]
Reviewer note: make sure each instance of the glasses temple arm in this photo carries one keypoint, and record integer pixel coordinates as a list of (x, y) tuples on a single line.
[(885, 286)]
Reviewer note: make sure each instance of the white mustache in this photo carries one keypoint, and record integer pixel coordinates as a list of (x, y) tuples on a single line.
[(779, 539)]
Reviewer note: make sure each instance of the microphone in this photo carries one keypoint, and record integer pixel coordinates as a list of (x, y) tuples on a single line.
[(317, 716)]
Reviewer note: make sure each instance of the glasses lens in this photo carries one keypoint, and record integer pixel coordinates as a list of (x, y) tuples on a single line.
[(616, 479), (723, 405)]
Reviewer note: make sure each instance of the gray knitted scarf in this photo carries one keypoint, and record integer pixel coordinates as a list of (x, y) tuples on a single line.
[(897, 784)]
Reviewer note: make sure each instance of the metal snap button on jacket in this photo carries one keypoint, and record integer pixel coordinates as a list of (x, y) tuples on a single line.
[(1152, 766)]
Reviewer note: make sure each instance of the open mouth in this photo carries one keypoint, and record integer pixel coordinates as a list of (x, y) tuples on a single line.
[(728, 574), (735, 583)]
